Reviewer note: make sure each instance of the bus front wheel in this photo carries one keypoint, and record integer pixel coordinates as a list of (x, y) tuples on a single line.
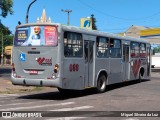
[(101, 83)]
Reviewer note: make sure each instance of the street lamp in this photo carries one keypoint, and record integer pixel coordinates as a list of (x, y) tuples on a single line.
[(67, 11), (28, 10)]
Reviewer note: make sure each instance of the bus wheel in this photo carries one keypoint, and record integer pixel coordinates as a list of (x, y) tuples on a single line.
[(101, 83)]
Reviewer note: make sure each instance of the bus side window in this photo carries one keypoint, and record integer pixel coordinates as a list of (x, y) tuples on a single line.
[(115, 48), (102, 47), (142, 50), (135, 49), (86, 45), (73, 44)]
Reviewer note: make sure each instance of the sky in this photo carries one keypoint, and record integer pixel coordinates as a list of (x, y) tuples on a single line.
[(112, 16)]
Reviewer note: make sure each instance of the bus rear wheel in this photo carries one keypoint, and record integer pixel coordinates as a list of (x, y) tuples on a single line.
[(101, 83)]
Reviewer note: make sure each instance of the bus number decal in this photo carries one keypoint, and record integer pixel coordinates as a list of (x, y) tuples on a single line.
[(73, 67), (77, 67), (70, 67)]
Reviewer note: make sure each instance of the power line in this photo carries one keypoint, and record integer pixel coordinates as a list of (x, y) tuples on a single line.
[(120, 18)]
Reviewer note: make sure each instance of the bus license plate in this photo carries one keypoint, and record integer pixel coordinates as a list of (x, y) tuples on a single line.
[(33, 72)]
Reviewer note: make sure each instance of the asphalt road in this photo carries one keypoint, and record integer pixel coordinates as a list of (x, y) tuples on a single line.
[(130, 99)]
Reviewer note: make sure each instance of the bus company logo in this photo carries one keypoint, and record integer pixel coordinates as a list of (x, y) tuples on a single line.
[(135, 67), (44, 61)]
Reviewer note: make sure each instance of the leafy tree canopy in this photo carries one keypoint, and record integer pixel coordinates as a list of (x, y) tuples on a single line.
[(156, 49), (7, 37), (6, 7), (4, 29)]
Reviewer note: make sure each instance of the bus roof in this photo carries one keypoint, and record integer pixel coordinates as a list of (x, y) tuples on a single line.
[(87, 31), (36, 24), (104, 34)]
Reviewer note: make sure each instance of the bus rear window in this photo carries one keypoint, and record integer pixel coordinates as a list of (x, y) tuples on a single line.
[(36, 36)]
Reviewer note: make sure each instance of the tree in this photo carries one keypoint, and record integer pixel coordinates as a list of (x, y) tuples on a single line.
[(94, 27), (7, 37), (4, 29), (156, 49), (6, 7)]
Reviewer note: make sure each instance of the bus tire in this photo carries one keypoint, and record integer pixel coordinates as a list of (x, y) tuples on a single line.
[(101, 83)]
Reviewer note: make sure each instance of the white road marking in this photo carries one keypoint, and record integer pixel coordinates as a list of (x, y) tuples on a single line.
[(9, 95), (33, 107), (18, 103), (131, 119), (4, 100), (67, 118), (72, 109)]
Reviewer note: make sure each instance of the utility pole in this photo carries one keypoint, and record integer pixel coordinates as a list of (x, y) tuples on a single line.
[(2, 50), (28, 10), (94, 27), (1, 44), (67, 11)]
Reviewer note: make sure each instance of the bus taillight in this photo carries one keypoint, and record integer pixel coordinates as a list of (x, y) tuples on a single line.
[(13, 68), (56, 68)]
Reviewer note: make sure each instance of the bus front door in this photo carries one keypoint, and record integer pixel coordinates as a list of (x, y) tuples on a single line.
[(126, 64), (89, 59)]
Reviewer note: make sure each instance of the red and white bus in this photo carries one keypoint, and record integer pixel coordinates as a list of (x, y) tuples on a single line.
[(67, 57)]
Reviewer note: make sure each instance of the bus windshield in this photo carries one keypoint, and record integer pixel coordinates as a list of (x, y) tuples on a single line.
[(36, 36)]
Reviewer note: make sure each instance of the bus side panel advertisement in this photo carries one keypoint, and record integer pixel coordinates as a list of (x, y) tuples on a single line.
[(20, 37)]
